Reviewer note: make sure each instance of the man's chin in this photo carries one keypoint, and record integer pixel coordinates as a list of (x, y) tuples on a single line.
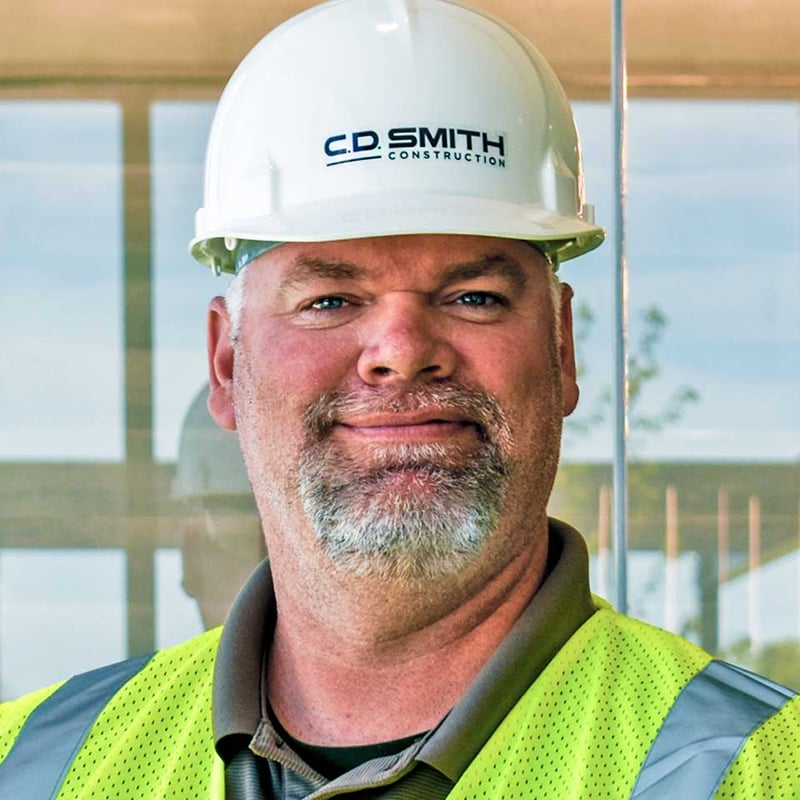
[(407, 483), (406, 456)]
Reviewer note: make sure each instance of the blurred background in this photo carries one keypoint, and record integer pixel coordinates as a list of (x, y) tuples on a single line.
[(125, 518)]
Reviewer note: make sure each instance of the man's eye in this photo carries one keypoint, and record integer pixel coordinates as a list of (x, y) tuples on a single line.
[(329, 303), (480, 299)]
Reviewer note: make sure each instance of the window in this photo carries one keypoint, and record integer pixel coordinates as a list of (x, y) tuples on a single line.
[(713, 249)]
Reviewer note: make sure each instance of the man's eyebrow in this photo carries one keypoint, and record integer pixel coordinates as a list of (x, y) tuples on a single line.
[(311, 268), (490, 265)]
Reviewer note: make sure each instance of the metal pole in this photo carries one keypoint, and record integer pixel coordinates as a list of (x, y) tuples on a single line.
[(140, 520), (723, 535), (671, 571), (619, 101), (603, 538), (754, 574)]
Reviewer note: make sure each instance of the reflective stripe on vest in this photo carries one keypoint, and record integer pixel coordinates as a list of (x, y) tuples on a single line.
[(705, 730), (53, 734)]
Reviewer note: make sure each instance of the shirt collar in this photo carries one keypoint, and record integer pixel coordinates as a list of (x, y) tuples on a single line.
[(238, 670)]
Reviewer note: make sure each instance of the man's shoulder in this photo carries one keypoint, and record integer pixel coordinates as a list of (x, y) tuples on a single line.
[(617, 636), (190, 661), (130, 727), (197, 651), (626, 703)]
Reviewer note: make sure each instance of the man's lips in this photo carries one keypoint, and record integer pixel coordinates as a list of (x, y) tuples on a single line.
[(408, 427)]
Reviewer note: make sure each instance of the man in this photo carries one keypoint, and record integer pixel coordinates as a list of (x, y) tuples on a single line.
[(394, 184)]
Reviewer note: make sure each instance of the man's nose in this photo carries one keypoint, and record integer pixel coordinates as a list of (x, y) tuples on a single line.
[(405, 340)]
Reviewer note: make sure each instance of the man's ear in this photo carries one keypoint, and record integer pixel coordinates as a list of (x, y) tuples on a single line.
[(569, 372), (220, 365)]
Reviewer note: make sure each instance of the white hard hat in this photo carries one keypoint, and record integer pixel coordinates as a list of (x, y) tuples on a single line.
[(366, 118)]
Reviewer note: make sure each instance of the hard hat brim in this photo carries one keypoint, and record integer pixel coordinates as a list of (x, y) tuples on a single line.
[(368, 216)]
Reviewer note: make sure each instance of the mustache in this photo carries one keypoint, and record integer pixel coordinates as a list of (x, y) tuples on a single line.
[(477, 407)]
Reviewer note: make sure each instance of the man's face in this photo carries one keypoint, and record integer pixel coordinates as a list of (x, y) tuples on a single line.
[(399, 399)]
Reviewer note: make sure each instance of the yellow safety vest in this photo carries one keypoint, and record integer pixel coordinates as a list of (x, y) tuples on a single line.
[(624, 710)]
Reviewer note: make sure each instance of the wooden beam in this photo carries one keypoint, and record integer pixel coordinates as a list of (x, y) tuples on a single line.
[(676, 47)]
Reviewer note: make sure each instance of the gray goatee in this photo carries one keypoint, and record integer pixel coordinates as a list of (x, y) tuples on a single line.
[(448, 505)]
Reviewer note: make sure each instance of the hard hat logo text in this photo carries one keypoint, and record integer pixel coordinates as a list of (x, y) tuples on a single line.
[(357, 142), (417, 143)]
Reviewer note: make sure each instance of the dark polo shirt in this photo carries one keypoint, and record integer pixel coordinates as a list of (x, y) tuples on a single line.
[(265, 765)]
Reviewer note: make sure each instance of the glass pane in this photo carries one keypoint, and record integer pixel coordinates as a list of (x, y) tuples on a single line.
[(713, 244), (61, 418), (61, 222), (588, 432), (182, 288), (211, 513), (61, 612)]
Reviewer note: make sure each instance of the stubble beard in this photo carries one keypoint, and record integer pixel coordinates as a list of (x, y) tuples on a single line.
[(412, 513)]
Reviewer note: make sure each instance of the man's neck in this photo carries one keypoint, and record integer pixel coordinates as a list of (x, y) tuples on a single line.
[(356, 662)]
